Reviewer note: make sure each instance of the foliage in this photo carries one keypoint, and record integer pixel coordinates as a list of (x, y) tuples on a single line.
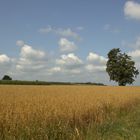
[(121, 68), (6, 77)]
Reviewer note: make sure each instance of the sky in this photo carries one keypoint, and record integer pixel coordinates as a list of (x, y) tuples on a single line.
[(66, 40)]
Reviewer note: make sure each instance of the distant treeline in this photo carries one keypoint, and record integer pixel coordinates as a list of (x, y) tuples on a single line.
[(18, 82)]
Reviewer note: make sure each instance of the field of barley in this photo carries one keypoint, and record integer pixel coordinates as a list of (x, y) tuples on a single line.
[(69, 113)]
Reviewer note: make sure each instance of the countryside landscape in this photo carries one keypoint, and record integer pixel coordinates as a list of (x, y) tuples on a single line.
[(70, 70)]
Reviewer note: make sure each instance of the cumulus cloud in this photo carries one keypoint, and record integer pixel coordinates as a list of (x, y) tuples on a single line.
[(4, 59), (29, 53), (68, 32), (31, 60), (66, 46), (70, 60), (95, 62), (95, 58), (132, 10), (135, 54), (5, 64), (35, 64), (54, 70), (95, 68), (70, 63)]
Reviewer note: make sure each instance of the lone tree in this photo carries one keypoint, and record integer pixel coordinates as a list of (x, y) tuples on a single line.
[(6, 77), (121, 68)]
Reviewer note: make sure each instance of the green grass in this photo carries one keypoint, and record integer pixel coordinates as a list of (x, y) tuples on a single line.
[(125, 126)]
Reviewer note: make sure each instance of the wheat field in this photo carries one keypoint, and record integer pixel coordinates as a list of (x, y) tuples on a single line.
[(64, 112)]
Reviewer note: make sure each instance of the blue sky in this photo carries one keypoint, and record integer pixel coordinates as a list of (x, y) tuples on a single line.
[(66, 40)]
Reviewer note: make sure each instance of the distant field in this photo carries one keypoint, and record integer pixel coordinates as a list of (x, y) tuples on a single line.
[(69, 113)]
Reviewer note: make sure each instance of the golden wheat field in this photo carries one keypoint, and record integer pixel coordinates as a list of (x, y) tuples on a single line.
[(60, 112)]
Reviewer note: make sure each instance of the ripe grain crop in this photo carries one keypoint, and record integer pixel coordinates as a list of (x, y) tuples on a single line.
[(64, 112)]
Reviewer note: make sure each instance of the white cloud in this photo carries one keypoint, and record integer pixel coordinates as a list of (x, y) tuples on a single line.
[(4, 59), (35, 64), (95, 63), (132, 10), (94, 68), (29, 53), (136, 57), (31, 60), (95, 58), (5, 64), (66, 45), (68, 32), (69, 60), (20, 43), (135, 54), (70, 63), (55, 70)]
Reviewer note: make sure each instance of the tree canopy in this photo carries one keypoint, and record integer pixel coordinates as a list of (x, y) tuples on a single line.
[(121, 68), (6, 77)]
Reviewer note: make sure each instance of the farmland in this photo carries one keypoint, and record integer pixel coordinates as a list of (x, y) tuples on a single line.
[(69, 112)]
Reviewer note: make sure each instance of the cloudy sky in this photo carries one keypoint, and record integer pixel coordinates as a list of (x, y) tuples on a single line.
[(66, 40)]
